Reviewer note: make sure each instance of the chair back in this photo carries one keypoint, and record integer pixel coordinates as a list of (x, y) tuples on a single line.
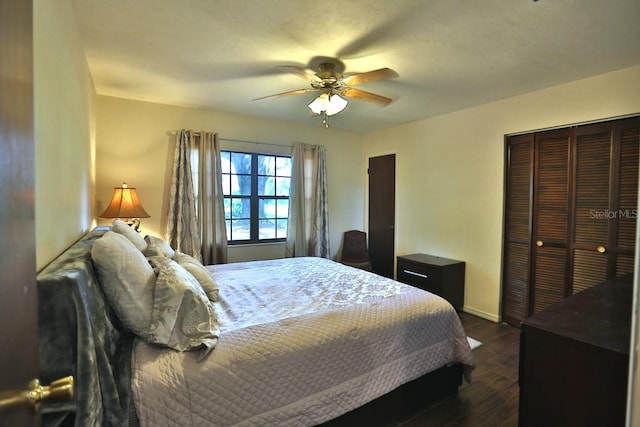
[(354, 247)]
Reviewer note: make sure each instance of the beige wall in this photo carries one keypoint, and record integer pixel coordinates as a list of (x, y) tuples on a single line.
[(450, 168), (135, 143), (450, 172), (63, 92)]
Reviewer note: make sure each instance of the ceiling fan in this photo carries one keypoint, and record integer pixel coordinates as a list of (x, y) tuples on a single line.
[(334, 86)]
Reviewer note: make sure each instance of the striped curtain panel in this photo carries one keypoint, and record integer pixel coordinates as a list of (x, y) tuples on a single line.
[(207, 176), (308, 227), (182, 227)]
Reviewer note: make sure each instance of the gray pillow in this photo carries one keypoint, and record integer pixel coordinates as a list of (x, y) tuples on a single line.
[(182, 317), (157, 247), (200, 272), (123, 228), (127, 280)]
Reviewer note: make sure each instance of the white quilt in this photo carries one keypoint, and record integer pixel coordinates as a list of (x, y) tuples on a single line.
[(302, 341)]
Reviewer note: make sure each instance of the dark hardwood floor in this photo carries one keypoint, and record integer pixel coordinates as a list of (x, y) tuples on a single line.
[(492, 397)]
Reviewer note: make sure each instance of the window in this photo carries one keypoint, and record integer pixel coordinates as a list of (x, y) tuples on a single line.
[(256, 196)]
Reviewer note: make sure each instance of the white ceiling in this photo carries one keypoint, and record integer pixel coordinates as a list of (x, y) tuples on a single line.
[(449, 54)]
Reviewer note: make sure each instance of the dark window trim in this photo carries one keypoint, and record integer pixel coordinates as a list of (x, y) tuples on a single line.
[(255, 200)]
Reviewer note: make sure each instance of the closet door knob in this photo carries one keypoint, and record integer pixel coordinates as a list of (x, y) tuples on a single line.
[(539, 243), (602, 249)]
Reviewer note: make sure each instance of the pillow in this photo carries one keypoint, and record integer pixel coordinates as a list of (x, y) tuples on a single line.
[(157, 247), (127, 280), (182, 317), (123, 228), (200, 272)]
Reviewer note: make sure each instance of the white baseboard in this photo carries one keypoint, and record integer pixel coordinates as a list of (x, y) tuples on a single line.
[(480, 313)]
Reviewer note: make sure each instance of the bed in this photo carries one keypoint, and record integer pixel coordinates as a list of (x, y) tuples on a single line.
[(303, 341)]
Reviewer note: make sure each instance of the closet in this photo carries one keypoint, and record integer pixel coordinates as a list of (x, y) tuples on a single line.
[(570, 212)]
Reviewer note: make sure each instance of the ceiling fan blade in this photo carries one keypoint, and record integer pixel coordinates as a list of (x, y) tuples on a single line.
[(382, 73), (302, 72), (350, 92), (293, 92)]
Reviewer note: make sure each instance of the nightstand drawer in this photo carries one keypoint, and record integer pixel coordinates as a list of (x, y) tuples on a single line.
[(421, 276), (440, 276)]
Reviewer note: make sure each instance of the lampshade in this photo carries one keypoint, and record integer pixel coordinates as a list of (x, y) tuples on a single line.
[(328, 103), (125, 204)]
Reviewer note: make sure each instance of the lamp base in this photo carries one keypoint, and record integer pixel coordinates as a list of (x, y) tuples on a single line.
[(134, 223)]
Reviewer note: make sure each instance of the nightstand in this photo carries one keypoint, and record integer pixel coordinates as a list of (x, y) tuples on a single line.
[(441, 276)]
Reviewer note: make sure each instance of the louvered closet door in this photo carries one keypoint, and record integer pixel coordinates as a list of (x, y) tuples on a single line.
[(517, 228), (570, 212), (606, 188), (550, 219), (627, 138), (593, 204)]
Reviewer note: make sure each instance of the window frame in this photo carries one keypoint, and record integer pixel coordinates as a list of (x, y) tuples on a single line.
[(254, 199)]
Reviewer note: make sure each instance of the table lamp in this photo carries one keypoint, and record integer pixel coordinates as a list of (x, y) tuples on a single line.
[(126, 206)]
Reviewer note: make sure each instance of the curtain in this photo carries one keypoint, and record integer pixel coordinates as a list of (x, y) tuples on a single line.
[(182, 226), (308, 228), (207, 173)]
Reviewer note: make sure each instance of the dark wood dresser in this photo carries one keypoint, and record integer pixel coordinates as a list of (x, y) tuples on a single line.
[(574, 359), (441, 276)]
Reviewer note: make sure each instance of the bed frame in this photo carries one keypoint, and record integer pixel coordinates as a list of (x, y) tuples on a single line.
[(81, 336)]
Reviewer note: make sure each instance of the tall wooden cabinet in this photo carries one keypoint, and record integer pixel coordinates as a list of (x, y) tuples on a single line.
[(570, 212)]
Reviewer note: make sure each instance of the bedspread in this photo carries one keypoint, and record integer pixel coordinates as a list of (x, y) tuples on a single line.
[(265, 291), (302, 341)]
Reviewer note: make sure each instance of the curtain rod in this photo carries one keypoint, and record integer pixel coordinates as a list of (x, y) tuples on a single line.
[(256, 142), (245, 141)]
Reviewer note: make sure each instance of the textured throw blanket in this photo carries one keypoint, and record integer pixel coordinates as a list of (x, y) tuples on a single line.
[(80, 336)]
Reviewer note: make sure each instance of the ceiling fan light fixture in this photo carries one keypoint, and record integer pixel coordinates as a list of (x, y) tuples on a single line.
[(336, 104), (329, 104)]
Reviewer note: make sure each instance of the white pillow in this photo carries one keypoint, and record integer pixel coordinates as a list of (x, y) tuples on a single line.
[(123, 228), (182, 317), (127, 280), (200, 272), (157, 247)]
